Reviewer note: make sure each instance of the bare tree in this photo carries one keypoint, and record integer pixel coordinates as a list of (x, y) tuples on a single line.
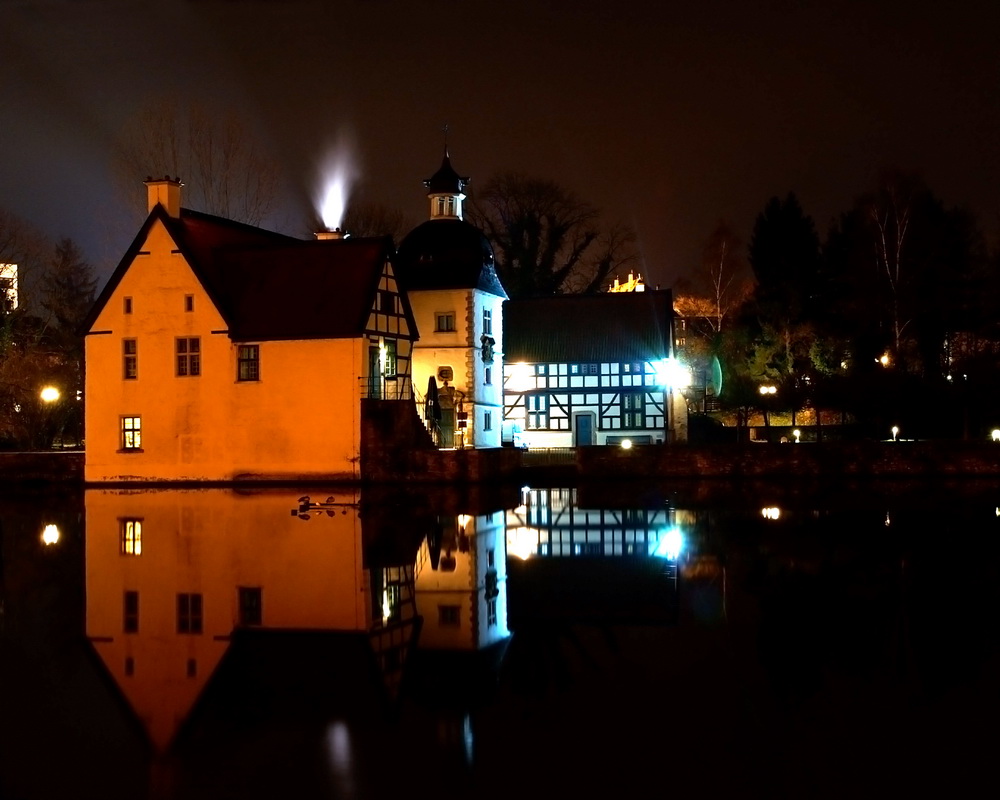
[(223, 165), (719, 285), (546, 239)]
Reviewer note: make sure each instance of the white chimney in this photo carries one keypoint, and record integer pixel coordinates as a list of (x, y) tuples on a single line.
[(336, 233), (165, 192)]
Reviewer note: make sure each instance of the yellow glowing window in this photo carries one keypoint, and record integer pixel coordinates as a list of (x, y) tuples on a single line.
[(131, 537), (131, 433)]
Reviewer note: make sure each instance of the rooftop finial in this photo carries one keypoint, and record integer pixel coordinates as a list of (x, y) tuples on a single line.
[(445, 131)]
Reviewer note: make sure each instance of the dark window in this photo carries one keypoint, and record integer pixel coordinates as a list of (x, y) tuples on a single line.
[(488, 379), (538, 410), (129, 666), (633, 411), (130, 622), (128, 305), (189, 302), (487, 322), (192, 668), (189, 356), (249, 362), (386, 301), (189, 613), (131, 433), (444, 322), (491, 612), (251, 605), (130, 359), (449, 615)]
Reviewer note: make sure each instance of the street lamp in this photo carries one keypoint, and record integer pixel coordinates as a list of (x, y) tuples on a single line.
[(895, 432), (797, 434), (49, 394)]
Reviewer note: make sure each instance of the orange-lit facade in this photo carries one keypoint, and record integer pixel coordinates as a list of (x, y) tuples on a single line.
[(173, 577), (219, 352)]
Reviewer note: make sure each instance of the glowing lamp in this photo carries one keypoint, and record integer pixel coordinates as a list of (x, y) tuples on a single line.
[(49, 394)]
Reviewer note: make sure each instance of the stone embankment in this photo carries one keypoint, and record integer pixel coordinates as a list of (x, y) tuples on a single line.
[(916, 459)]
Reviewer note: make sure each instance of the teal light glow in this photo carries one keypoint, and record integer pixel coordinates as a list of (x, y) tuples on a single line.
[(670, 545)]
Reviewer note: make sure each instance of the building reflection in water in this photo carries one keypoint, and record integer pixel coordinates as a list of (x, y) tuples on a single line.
[(173, 576)]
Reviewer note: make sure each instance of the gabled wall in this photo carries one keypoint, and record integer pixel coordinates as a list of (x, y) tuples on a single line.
[(301, 420)]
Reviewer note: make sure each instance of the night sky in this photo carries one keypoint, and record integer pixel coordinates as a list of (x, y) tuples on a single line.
[(667, 116)]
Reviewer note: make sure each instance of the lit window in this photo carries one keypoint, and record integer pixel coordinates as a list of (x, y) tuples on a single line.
[(131, 433), (189, 613), (487, 322), (189, 302), (390, 358), (444, 323), (127, 305), (249, 363), (130, 618), (130, 359), (449, 616), (251, 605), (189, 356), (131, 537)]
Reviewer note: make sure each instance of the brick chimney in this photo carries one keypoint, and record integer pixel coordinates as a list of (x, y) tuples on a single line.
[(165, 192)]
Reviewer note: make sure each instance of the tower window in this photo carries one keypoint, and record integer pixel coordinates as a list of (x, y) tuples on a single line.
[(444, 322), (487, 322)]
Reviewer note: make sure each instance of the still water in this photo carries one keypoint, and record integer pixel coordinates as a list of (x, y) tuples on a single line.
[(754, 640)]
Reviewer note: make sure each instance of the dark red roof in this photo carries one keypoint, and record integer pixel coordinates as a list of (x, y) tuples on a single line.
[(269, 286)]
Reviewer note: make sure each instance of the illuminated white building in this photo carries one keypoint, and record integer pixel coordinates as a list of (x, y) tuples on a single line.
[(447, 268), (593, 369)]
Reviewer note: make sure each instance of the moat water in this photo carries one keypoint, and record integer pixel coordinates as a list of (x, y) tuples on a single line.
[(754, 640)]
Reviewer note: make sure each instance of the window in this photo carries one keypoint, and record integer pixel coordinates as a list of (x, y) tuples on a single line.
[(129, 665), (189, 356), (130, 538), (189, 613), (633, 411), (444, 322), (251, 605), (131, 433), (390, 358), (192, 668), (130, 359), (491, 612), (130, 620), (491, 558), (249, 362), (487, 420), (127, 305), (538, 410), (449, 616), (445, 206), (488, 376), (189, 302), (487, 322), (386, 301)]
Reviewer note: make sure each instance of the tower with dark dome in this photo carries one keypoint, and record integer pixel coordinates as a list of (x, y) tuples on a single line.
[(446, 266)]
